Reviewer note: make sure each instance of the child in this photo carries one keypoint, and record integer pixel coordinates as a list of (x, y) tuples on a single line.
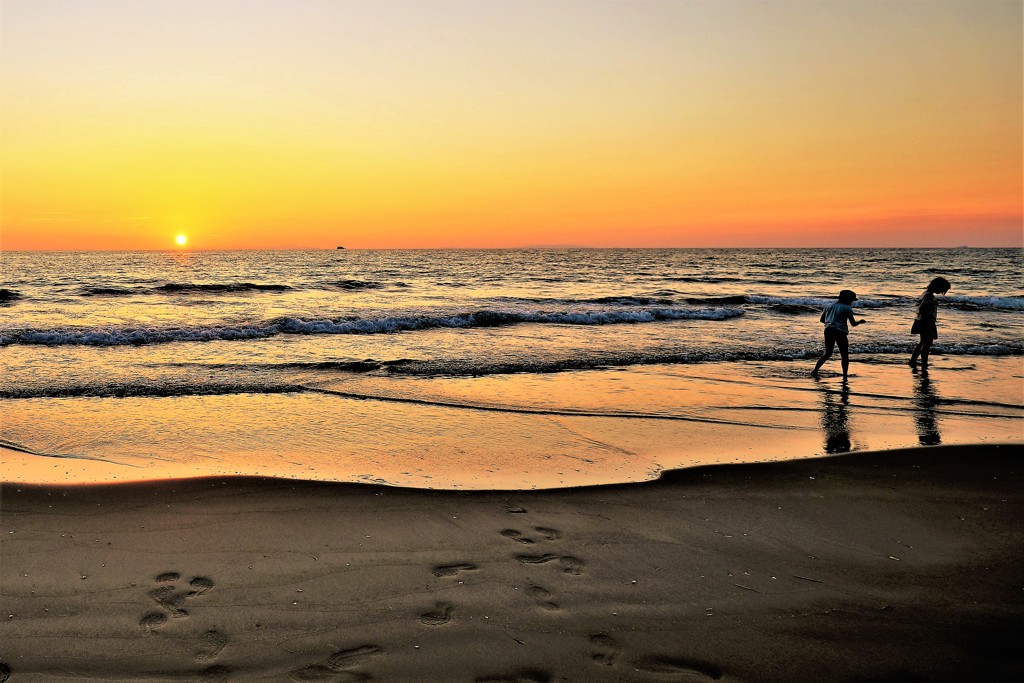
[(924, 323), (835, 317)]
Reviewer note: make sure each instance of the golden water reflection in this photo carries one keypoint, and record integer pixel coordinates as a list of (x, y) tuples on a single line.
[(926, 400), (507, 432)]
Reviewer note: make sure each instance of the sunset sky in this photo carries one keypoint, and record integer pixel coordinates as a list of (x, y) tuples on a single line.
[(500, 123)]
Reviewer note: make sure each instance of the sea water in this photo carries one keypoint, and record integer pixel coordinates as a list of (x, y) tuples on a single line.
[(490, 368)]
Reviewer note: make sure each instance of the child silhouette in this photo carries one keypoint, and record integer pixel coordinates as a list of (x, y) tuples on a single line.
[(924, 323), (835, 316)]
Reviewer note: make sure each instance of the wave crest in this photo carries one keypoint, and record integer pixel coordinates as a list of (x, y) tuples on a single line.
[(980, 303), (137, 336)]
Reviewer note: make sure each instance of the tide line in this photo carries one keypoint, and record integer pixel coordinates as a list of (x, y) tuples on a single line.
[(541, 411)]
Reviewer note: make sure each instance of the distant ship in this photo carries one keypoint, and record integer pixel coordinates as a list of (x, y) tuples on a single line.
[(339, 247)]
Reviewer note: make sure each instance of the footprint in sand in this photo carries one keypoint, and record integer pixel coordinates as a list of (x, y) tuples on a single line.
[(568, 563), (172, 600), (441, 614), (516, 536), (152, 621), (199, 585), (521, 676), (607, 649), (167, 597), (212, 642), (542, 596), (571, 565), (335, 667), (547, 532), (678, 666), (453, 569)]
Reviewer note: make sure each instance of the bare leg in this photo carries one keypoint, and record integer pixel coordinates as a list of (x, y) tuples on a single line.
[(926, 346), (844, 353), (830, 344), (916, 353)]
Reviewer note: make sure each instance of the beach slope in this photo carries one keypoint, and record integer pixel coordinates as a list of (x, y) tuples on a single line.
[(901, 565)]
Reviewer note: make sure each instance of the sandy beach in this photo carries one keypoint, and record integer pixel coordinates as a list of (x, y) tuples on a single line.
[(899, 565), (435, 341)]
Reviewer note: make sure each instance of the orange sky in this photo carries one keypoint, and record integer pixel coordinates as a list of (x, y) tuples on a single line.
[(310, 123)]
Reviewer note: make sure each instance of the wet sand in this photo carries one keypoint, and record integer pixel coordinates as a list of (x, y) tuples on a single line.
[(565, 429), (888, 566)]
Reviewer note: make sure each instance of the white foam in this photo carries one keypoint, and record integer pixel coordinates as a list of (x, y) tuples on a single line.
[(1011, 303), (140, 336), (812, 301)]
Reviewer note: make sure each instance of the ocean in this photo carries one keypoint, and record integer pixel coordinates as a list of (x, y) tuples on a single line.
[(489, 368)]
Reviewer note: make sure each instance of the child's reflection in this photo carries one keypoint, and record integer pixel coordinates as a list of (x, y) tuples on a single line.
[(834, 420), (925, 400)]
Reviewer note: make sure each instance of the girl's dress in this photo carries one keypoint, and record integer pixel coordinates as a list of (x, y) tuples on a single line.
[(927, 310)]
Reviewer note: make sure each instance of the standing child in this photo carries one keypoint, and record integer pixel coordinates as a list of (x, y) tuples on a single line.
[(835, 316), (924, 323)]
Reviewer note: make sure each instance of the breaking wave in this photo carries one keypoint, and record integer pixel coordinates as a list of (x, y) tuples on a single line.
[(797, 304), (137, 336), (660, 298), (625, 300), (980, 303)]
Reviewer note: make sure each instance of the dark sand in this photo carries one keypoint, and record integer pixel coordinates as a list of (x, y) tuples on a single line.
[(893, 566)]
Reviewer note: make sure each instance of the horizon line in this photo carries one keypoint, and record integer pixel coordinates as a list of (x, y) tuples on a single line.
[(553, 247)]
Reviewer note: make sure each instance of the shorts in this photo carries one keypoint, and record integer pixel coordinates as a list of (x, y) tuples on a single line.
[(925, 329), (835, 334)]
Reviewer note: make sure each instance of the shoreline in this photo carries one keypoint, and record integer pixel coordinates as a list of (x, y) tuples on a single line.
[(458, 433), (887, 565), (663, 475)]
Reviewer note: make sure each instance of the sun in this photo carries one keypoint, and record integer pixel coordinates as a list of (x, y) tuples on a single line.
[(181, 240)]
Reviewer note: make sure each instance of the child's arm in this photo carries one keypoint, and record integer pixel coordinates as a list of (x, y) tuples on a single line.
[(855, 322)]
